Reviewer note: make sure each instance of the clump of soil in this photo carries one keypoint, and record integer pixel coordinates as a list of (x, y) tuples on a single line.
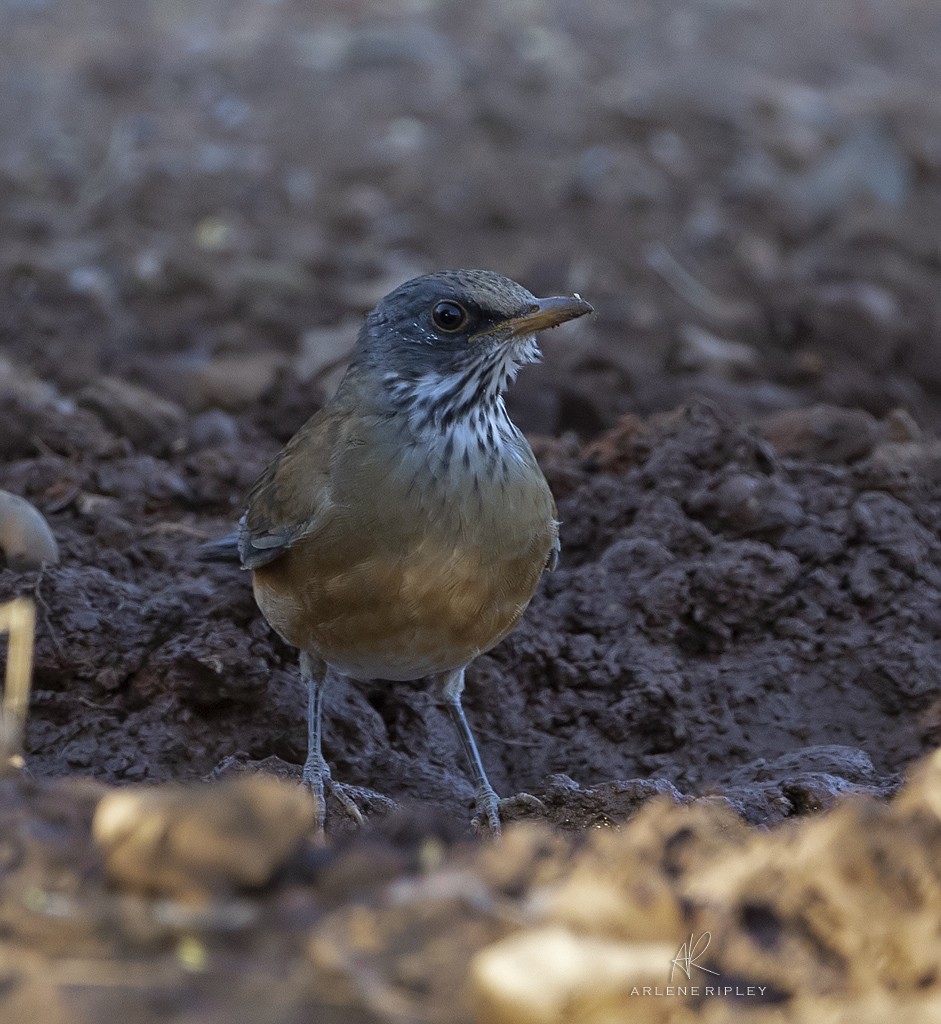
[(684, 914)]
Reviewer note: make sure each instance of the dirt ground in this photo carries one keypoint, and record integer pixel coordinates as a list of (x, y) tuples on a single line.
[(198, 202)]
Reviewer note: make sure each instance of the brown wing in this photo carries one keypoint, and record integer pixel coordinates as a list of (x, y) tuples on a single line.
[(294, 493), (553, 560)]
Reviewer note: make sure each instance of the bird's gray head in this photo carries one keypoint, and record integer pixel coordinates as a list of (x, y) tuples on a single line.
[(446, 346)]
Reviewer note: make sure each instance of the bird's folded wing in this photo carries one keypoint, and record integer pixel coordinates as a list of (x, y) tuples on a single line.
[(553, 560), (293, 495)]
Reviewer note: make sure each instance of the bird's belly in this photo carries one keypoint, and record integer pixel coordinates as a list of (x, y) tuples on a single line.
[(430, 607)]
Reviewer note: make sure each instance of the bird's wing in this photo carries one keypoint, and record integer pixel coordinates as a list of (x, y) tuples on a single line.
[(553, 560), (293, 494)]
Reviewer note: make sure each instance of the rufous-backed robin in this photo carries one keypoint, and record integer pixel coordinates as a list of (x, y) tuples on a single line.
[(403, 529)]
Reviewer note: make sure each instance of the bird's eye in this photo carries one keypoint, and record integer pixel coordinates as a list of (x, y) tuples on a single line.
[(449, 316)]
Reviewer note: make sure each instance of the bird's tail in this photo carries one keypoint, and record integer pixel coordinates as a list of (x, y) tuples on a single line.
[(225, 549)]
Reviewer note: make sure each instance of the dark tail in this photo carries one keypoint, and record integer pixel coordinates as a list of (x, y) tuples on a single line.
[(225, 549)]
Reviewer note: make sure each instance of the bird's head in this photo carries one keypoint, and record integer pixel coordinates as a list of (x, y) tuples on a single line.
[(448, 344)]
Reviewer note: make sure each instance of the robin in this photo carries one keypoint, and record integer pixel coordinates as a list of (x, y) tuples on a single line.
[(403, 529)]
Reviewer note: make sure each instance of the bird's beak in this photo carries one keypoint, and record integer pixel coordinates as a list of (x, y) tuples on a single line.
[(546, 313)]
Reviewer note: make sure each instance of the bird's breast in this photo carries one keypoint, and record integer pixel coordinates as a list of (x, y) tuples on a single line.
[(430, 556)]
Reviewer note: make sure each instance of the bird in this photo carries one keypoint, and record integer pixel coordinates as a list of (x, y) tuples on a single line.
[(403, 530)]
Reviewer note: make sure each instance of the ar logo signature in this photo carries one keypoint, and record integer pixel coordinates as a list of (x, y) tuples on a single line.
[(689, 953)]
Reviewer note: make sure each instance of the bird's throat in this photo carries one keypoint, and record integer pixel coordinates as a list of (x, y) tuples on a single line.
[(459, 422), (470, 396)]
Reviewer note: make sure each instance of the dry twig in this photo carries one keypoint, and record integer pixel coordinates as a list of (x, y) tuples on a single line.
[(18, 619)]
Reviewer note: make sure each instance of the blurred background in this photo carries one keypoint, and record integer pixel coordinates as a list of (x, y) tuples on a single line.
[(204, 196)]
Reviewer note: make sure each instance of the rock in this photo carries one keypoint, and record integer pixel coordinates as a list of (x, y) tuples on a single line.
[(202, 838), (865, 304), (324, 353), (567, 802), (823, 432), (869, 164), (385, 47), (610, 176), (921, 795), (528, 857), (901, 427), (749, 503), (846, 903), (549, 975), (813, 779), (622, 905), (20, 381), (26, 542), (215, 234), (152, 424), (699, 349), (213, 428), (232, 381), (897, 466)]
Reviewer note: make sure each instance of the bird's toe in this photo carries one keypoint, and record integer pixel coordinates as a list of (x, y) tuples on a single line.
[(359, 800), (494, 811)]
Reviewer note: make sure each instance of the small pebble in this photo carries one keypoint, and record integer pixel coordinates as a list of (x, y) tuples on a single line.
[(26, 542)]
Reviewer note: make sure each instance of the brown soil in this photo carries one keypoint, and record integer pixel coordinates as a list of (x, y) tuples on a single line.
[(741, 441), (723, 619)]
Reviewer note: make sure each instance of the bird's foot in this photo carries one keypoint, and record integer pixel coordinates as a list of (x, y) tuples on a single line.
[(353, 800), (491, 808), (318, 780)]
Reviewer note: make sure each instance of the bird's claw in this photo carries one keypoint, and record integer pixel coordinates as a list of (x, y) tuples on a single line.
[(491, 808), (318, 780), (354, 800)]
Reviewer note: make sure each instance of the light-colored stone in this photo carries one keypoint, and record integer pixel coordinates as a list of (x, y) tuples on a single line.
[(324, 353), (699, 349), (204, 837), (152, 423), (26, 542), (552, 976), (823, 432), (232, 381)]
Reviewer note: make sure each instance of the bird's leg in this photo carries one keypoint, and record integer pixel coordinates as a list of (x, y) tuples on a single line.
[(316, 770), (488, 803)]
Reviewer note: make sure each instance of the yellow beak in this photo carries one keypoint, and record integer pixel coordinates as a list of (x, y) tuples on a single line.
[(546, 313)]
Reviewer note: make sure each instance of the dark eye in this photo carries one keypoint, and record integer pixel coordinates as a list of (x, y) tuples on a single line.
[(449, 316)]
